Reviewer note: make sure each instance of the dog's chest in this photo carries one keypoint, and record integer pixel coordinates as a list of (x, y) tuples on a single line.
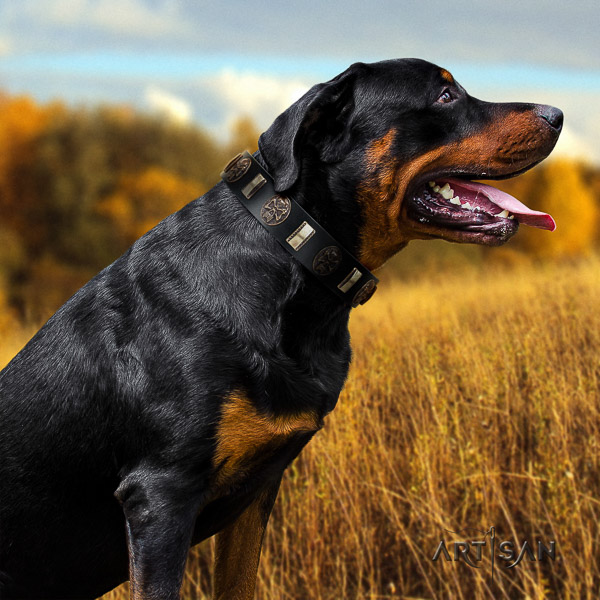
[(249, 441), (252, 451)]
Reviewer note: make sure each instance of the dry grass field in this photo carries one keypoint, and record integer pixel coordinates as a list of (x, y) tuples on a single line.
[(473, 400)]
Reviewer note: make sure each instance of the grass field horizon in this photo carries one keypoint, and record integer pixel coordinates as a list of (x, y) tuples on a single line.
[(472, 400)]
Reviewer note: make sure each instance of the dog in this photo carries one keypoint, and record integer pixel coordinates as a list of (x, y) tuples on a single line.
[(163, 402)]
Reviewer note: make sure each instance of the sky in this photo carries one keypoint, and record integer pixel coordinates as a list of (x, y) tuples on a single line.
[(208, 63)]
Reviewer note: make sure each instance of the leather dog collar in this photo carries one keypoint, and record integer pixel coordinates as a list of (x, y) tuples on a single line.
[(298, 232)]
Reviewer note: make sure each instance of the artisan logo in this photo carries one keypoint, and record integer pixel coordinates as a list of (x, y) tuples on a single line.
[(507, 552)]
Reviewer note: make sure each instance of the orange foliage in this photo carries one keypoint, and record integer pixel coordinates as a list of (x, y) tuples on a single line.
[(561, 190), (244, 136), (142, 200), (21, 122)]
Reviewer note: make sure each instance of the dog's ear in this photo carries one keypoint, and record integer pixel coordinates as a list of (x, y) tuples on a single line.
[(319, 121)]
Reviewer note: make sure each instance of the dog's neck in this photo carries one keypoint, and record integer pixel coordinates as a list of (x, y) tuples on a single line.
[(326, 258), (324, 194), (313, 305)]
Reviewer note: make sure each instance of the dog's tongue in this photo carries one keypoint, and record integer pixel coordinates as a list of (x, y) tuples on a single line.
[(505, 201)]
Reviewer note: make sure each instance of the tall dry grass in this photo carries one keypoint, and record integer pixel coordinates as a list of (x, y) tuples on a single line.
[(472, 401)]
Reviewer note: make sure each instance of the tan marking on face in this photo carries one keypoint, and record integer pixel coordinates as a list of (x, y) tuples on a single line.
[(504, 146), (380, 148), (243, 431), (384, 233), (447, 76)]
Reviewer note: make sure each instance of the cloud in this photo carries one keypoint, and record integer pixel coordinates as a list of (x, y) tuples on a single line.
[(165, 103), (574, 145), (538, 32), (5, 46), (133, 18), (260, 96)]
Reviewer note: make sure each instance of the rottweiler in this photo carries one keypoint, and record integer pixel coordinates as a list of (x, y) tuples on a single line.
[(163, 402)]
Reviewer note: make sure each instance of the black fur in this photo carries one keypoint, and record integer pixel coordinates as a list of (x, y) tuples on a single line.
[(112, 408)]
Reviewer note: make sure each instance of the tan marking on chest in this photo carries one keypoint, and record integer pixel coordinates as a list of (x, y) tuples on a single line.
[(243, 432)]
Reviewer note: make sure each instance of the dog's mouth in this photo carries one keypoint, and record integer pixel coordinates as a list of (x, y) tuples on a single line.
[(461, 210)]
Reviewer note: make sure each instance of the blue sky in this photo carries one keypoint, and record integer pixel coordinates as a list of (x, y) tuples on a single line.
[(209, 62)]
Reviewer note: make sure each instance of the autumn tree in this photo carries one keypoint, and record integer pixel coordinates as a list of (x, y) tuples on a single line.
[(561, 190), (22, 122), (77, 186), (142, 200), (244, 136)]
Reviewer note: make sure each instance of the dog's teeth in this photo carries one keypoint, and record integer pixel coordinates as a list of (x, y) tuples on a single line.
[(504, 214), (455, 200), (436, 188), (447, 192), (467, 206), (511, 217), (432, 184)]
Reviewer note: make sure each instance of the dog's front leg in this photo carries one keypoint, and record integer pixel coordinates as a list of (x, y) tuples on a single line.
[(159, 518), (238, 549)]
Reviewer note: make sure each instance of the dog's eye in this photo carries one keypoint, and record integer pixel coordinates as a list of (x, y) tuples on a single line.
[(445, 97)]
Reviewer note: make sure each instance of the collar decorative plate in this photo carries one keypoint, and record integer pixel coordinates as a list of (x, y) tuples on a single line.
[(327, 260), (276, 210), (365, 292), (236, 168)]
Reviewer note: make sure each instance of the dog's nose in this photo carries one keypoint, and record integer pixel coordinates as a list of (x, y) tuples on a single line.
[(553, 116)]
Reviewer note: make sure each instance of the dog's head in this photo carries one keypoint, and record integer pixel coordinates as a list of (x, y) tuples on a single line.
[(403, 140)]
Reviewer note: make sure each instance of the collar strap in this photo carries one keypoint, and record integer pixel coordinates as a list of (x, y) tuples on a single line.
[(298, 232)]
